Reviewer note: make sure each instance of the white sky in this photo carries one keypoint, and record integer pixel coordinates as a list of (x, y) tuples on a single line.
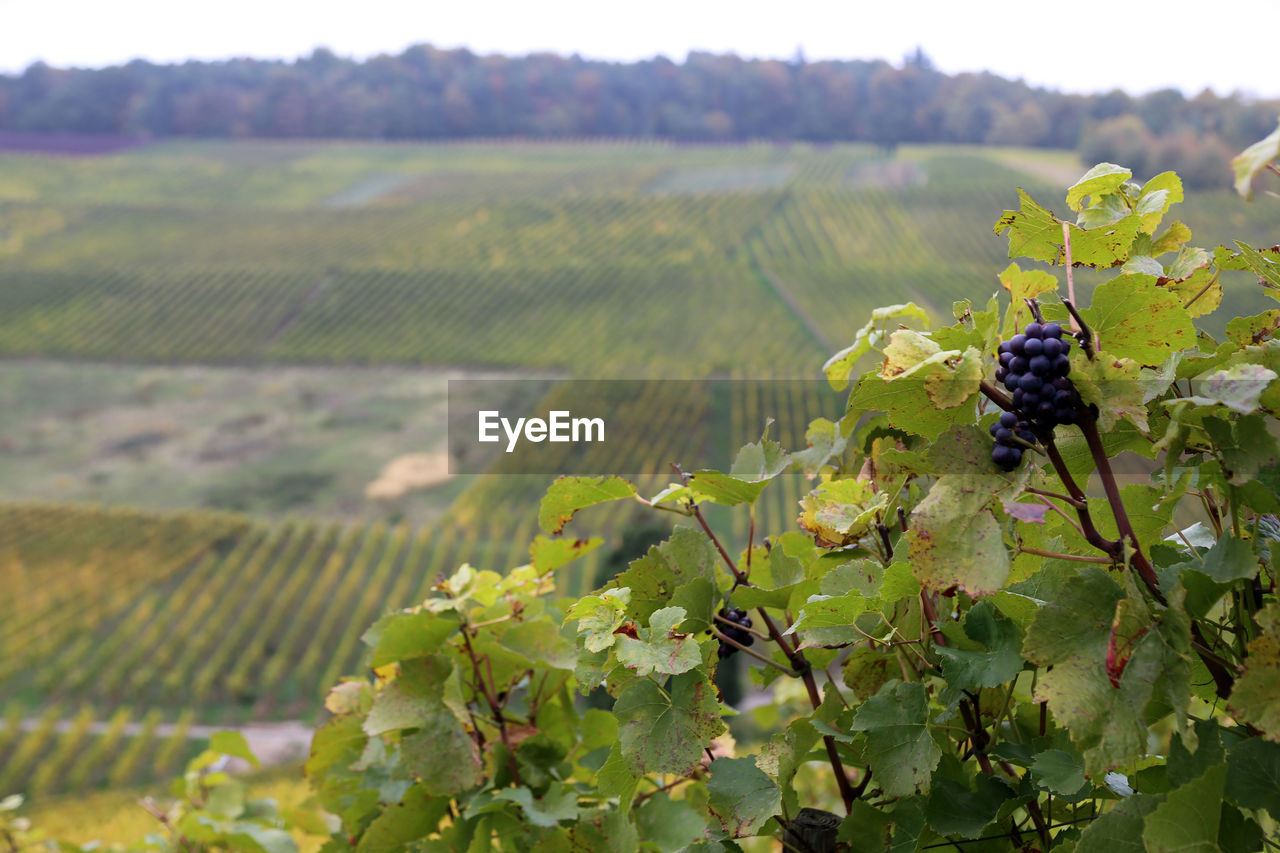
[(1063, 45)]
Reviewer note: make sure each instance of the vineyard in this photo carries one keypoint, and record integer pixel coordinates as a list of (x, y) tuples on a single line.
[(129, 630), (129, 635), (601, 260)]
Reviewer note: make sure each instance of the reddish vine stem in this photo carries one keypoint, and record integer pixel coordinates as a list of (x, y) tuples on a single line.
[(494, 707), (1138, 561), (1091, 534), (979, 739), (1223, 679), (794, 656)]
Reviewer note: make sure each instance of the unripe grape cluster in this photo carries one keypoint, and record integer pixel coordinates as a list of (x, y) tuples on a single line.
[(736, 632), (1034, 368)]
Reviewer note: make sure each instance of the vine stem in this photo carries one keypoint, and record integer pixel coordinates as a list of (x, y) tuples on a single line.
[(1091, 534), (1071, 281), (1075, 558), (715, 632), (794, 656), (1223, 679), (1138, 561), (492, 701)]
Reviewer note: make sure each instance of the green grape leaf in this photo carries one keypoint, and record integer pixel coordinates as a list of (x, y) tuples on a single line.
[(654, 578), (824, 442), (1132, 317), (1036, 233), (840, 512), (1023, 284), (663, 732), (399, 706), (1253, 774), (1171, 239), (1059, 771), (906, 403), (615, 779), (955, 540), (956, 809), (1156, 197), (599, 831), (669, 824), (1248, 331), (1187, 821), (546, 555), (233, 743), (1120, 829), (336, 745), (997, 662), (1199, 294), (441, 756), (1256, 696), (784, 754), (951, 388), (560, 802), (568, 495), (741, 797), (870, 336), (413, 818), (599, 616), (717, 487), (407, 635), (1113, 385), (1071, 633), (829, 620), (662, 649), (866, 670), (1249, 162), (900, 748), (1265, 265), (1230, 559), (754, 466), (866, 828), (907, 351), (540, 642), (1102, 180), (1239, 388)]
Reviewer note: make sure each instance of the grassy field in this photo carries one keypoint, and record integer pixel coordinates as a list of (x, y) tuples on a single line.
[(239, 338)]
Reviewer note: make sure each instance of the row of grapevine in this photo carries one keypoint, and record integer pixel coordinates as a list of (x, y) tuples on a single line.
[(71, 751)]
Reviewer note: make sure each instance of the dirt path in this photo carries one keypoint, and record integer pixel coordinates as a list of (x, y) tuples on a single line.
[(272, 743)]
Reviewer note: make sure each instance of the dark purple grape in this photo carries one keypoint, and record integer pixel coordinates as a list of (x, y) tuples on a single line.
[(1062, 365), (1020, 364), (1005, 358), (1030, 383), (1011, 381), (1033, 347), (1052, 330), (1008, 419), (1016, 343), (1003, 434), (1041, 366), (1018, 396), (1006, 458), (1052, 347)]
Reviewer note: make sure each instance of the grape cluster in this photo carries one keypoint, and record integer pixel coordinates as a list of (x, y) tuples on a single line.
[(738, 634), (1009, 432), (1034, 368)]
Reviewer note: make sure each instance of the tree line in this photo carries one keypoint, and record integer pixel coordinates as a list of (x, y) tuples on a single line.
[(431, 93)]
